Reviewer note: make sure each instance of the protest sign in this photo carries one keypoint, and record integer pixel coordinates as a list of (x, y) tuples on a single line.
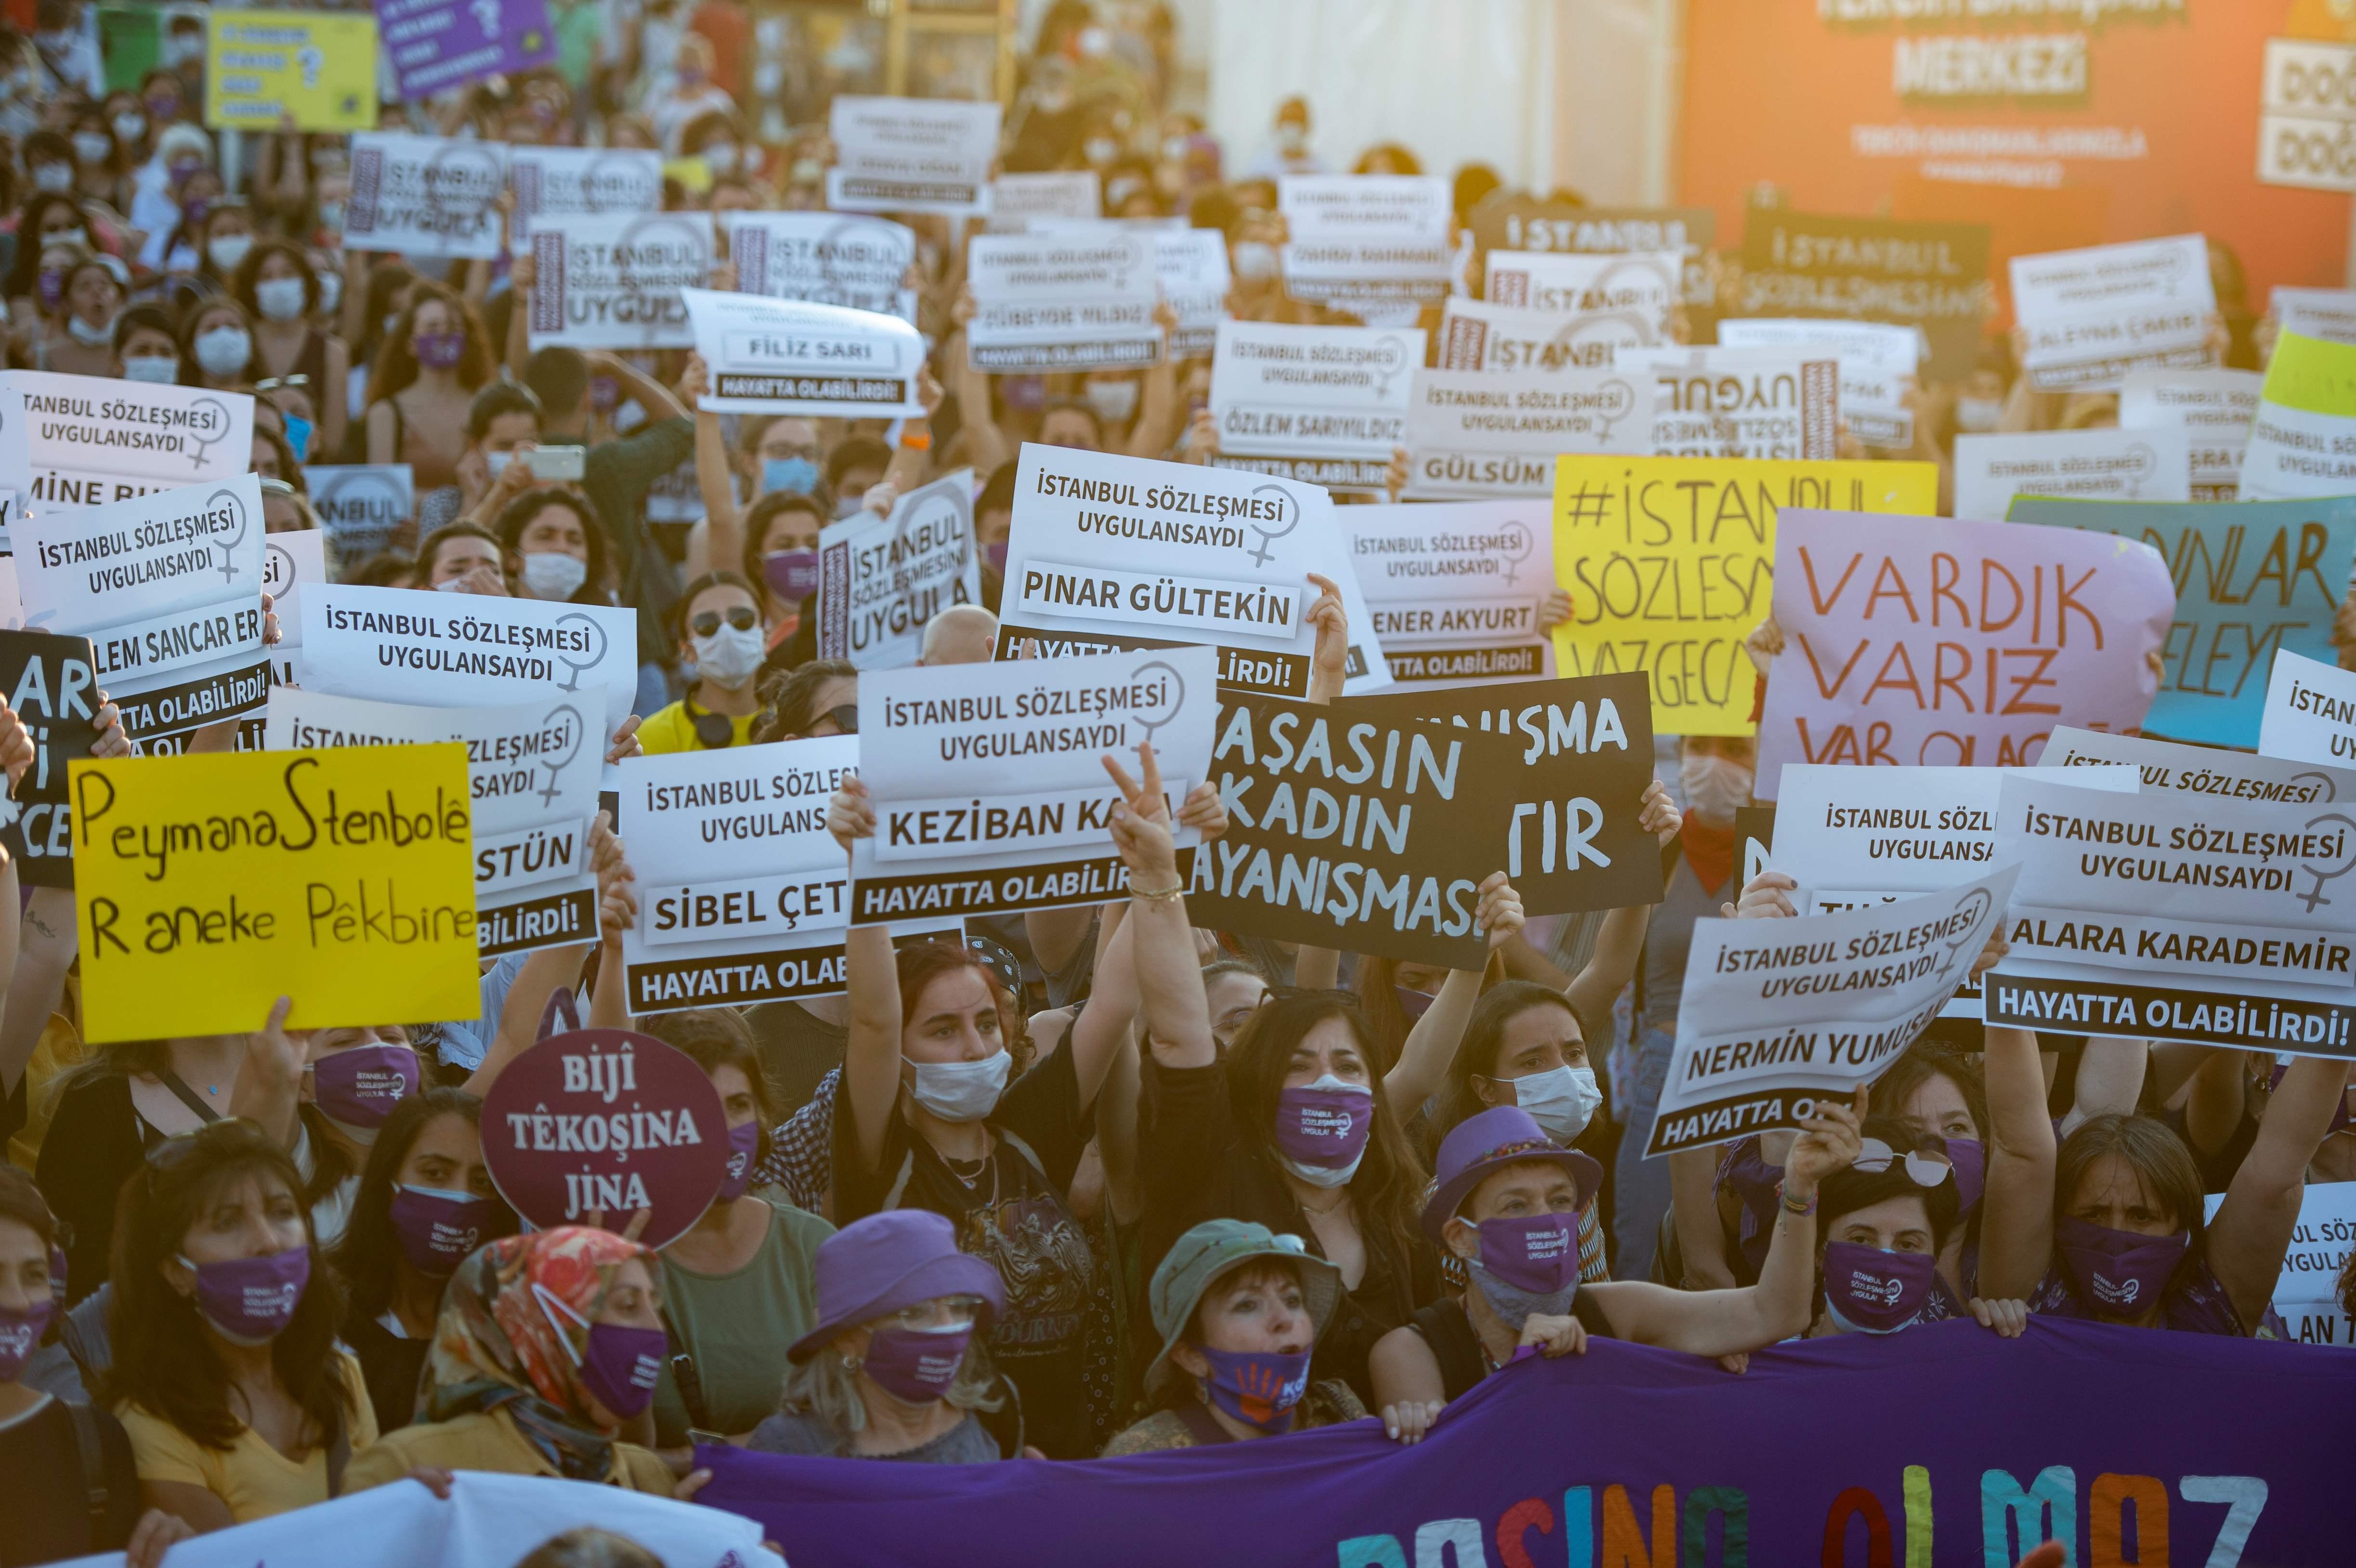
[(425, 196), (92, 439), (2091, 315), (438, 44), (2172, 917), (1124, 552), (1754, 836), (1954, 643), (1190, 264), (1016, 199), (1582, 758), (988, 783), (1668, 563), (1934, 276), (881, 579), (362, 506), (1455, 590), (601, 1124), (1637, 289), (15, 459), (824, 258), (1479, 436), (1877, 363), (394, 645), (2308, 1287), (12, 601), (1627, 1455), (1365, 240), (1516, 220), (2199, 770), (1325, 405), (2303, 437), (911, 155), (50, 685), (1063, 302), (1350, 832), (532, 777), (1778, 1015), (1502, 339), (2311, 712), (1759, 403), (2250, 579), (2213, 408), (167, 588), (782, 356), (288, 562), (602, 282), (209, 886), (582, 182), (2325, 313), (2082, 464), (272, 70)]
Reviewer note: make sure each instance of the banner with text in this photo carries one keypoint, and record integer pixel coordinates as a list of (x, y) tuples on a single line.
[(425, 196), (881, 579), (911, 155), (2079, 465), (824, 258), (1325, 405), (614, 282), (784, 356), (552, 183), (1456, 590), (1479, 436), (2090, 316), (1063, 302), (50, 685), (93, 440), (2213, 408)]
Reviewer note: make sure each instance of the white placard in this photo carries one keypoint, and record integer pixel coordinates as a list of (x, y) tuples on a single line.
[(988, 781), (2311, 712), (615, 282), (1504, 340), (167, 588), (425, 196), (1125, 553), (1190, 264), (2213, 408), (16, 459), (1080, 301), (911, 155), (1742, 402), (288, 562), (1375, 240), (1017, 201), (1777, 1013), (2199, 770), (467, 650), (1474, 435), (91, 441), (1325, 405), (2325, 313), (1877, 366), (782, 356), (12, 599), (1455, 590), (2319, 1245), (362, 506), (2091, 315), (881, 579), (2085, 464), (824, 258), (582, 182), (1640, 287), (531, 780)]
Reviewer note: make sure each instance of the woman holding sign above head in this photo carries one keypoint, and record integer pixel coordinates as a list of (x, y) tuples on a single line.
[(720, 634)]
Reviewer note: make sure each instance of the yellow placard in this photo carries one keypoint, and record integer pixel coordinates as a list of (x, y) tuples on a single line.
[(1670, 562), (303, 70), (206, 887), (2313, 376)]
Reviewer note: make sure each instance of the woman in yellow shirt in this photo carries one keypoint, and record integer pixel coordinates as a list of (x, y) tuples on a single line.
[(548, 1343), (226, 1371), (720, 628)]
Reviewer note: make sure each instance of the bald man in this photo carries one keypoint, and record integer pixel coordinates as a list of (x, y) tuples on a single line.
[(962, 634)]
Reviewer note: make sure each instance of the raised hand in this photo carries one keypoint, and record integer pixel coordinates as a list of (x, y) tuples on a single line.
[(1767, 897), (1657, 814), (1499, 917), (1204, 810), (1829, 1141), (1330, 663), (850, 814), (1140, 824)]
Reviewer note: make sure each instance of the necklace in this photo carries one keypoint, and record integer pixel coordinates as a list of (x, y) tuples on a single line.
[(1333, 1207)]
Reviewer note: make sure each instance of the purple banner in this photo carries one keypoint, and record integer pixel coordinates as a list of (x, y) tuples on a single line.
[(437, 44), (1942, 1445)]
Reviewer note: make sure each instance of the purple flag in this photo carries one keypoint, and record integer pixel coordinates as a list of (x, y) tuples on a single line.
[(436, 43), (2133, 1445)]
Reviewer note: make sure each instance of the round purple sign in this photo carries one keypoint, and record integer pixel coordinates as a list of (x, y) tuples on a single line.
[(604, 1120)]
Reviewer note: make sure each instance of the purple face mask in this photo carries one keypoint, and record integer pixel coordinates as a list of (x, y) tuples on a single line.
[(743, 1153), (915, 1367), (621, 1366), (1538, 1254), (1259, 1388), (438, 1229), (792, 574), (1323, 1126), (359, 1087), (439, 351), (1873, 1291), (1414, 1004), (994, 552), (2119, 1273), (1969, 1156), (21, 1329), (250, 1301)]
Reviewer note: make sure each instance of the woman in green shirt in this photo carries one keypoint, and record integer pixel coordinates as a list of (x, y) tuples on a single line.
[(737, 1289)]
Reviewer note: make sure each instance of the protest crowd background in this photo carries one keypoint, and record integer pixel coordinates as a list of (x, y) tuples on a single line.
[(1474, 752)]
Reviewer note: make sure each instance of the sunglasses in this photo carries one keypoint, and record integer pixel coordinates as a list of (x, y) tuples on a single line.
[(845, 718), (706, 622), (1874, 1156)]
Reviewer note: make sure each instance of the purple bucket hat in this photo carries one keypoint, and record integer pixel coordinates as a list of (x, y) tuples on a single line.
[(1500, 1135), (889, 1261)]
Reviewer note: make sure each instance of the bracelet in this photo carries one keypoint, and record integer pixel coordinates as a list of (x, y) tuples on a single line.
[(1802, 1210), (1169, 893), (915, 440)]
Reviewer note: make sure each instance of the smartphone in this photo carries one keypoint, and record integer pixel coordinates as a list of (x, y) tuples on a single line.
[(556, 462)]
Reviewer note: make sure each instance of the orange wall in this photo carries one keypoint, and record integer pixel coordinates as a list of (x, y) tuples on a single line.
[(1772, 91)]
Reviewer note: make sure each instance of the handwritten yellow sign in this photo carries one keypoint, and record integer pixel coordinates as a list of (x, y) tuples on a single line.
[(1670, 563), (206, 887), (299, 71)]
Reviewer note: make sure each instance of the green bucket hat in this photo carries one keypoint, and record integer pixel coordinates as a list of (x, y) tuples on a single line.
[(1216, 1247)]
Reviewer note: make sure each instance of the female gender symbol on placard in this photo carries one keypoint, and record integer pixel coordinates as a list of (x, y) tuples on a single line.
[(229, 547), (573, 682), (2315, 895), (1268, 536), (575, 729), (1516, 549), (1177, 697)]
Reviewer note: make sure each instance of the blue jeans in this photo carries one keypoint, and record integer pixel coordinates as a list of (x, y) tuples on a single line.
[(1641, 1186)]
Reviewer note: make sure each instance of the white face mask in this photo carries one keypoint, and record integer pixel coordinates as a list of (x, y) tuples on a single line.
[(1255, 261), (53, 176), (1978, 416), (228, 251), (95, 336), (728, 658), (1113, 402), (159, 369), (281, 299), (331, 284), (131, 127), (961, 1091), (1560, 1101), (1715, 787), (224, 350), (551, 574), (93, 148)]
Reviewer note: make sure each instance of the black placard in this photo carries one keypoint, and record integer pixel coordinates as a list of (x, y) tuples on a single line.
[(1931, 275), (50, 685)]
